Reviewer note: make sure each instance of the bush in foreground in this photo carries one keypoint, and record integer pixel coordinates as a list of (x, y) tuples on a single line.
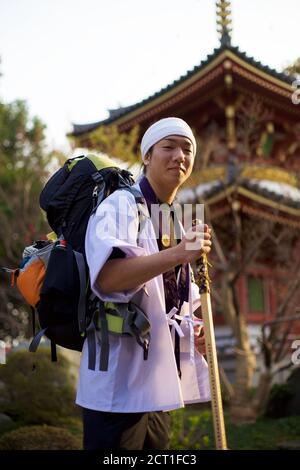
[(36, 390), (39, 438)]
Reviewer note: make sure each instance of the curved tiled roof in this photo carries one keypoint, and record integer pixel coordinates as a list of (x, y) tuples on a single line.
[(116, 113), (277, 192)]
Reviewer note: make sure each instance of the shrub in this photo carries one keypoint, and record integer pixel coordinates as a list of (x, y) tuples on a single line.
[(192, 428), (279, 397), (39, 438), (36, 390)]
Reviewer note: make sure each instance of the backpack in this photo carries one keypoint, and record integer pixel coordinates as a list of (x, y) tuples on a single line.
[(53, 276)]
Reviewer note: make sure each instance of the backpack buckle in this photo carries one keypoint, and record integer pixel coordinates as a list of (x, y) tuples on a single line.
[(95, 196), (97, 177)]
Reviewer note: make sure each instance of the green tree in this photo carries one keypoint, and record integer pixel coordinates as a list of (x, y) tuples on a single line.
[(23, 170), (112, 142)]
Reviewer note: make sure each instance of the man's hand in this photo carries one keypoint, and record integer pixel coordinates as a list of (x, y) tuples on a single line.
[(200, 339), (196, 242)]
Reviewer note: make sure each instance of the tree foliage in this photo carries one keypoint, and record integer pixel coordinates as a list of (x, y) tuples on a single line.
[(23, 163), (293, 69), (112, 142), (23, 170)]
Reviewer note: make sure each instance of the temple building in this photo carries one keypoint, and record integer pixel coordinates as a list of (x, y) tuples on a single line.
[(247, 171)]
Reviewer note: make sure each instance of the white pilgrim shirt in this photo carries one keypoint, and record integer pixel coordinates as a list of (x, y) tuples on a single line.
[(132, 384)]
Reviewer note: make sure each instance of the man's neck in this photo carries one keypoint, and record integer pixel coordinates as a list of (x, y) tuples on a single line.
[(164, 194)]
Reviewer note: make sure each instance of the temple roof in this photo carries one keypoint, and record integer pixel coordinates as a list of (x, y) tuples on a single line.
[(260, 190), (281, 192), (115, 114)]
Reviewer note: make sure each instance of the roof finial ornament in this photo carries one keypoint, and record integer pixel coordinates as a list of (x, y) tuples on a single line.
[(224, 21)]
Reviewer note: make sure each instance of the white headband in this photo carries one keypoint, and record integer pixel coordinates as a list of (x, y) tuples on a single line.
[(163, 128)]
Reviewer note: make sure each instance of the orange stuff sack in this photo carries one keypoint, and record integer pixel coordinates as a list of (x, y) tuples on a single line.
[(31, 274)]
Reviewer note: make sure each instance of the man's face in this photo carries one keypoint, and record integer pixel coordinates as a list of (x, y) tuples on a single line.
[(171, 160)]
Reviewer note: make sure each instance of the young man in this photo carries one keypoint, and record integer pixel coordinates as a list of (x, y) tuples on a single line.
[(127, 405)]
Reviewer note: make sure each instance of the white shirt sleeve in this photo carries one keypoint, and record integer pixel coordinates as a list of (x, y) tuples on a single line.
[(115, 225)]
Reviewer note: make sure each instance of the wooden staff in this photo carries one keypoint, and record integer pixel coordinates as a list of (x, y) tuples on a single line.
[(202, 280)]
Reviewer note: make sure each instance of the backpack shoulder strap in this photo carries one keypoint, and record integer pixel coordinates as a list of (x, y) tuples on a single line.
[(138, 196), (141, 205)]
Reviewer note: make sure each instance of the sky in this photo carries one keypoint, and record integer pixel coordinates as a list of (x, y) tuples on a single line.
[(72, 60)]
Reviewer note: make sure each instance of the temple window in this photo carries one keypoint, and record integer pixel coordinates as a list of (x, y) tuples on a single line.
[(256, 294)]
